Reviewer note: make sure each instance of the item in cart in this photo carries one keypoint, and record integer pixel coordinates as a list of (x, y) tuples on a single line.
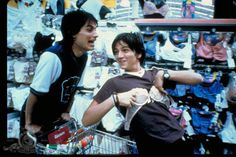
[(59, 136), (80, 130), (74, 134), (55, 148), (85, 142)]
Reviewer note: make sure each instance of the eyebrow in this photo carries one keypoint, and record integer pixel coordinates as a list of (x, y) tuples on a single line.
[(124, 46), (91, 24)]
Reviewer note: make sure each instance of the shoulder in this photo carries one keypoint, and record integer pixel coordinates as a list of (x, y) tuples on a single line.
[(49, 58), (47, 55), (113, 81), (153, 70), (55, 48)]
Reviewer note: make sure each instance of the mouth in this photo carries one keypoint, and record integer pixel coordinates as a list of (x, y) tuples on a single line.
[(121, 62), (91, 43)]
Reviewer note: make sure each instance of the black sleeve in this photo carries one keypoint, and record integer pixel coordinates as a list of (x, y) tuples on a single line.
[(104, 92), (169, 84)]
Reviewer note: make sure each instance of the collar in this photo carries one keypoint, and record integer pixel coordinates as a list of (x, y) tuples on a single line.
[(139, 73)]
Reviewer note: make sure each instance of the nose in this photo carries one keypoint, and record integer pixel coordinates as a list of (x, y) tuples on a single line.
[(95, 34), (119, 54)]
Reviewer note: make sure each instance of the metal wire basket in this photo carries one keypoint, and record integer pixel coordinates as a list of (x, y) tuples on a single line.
[(87, 140)]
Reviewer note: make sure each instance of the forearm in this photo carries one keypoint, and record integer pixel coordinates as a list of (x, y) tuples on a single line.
[(31, 101), (95, 111), (185, 77), (180, 76)]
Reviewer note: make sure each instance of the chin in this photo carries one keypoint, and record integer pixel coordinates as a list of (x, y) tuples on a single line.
[(123, 67), (90, 48)]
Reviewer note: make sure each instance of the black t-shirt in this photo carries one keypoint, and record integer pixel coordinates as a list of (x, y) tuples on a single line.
[(153, 119)]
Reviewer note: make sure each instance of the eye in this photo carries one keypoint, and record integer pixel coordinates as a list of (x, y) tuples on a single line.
[(89, 29), (115, 52), (126, 50)]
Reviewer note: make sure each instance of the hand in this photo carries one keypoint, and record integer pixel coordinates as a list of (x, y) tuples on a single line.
[(141, 96), (159, 81), (127, 99), (33, 128), (155, 94), (65, 116)]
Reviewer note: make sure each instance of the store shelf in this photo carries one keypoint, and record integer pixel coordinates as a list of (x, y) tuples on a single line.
[(215, 25), (11, 114)]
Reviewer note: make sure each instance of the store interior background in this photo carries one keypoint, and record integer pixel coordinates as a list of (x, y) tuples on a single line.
[(24, 50)]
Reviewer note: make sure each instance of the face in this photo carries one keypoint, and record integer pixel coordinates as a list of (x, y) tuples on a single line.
[(126, 58), (85, 38)]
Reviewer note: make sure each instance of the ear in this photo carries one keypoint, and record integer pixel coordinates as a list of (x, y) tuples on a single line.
[(74, 36), (139, 56)]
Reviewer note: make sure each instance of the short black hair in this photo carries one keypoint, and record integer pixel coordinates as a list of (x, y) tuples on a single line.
[(71, 24), (135, 42)]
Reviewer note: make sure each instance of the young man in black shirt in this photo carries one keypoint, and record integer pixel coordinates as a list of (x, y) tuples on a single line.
[(152, 125)]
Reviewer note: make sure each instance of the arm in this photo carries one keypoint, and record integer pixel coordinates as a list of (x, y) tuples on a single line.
[(181, 76), (185, 77), (31, 101), (96, 111), (48, 70)]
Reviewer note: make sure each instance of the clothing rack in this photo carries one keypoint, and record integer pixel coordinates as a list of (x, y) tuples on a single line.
[(218, 67), (174, 66), (213, 25), (206, 25)]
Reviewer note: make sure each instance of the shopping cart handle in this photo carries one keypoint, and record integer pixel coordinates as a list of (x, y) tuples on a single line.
[(32, 136)]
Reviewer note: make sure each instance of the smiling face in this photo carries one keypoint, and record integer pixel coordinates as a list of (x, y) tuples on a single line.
[(84, 40), (126, 58)]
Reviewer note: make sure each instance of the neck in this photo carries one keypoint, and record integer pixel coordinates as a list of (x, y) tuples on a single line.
[(76, 51), (139, 72), (138, 69)]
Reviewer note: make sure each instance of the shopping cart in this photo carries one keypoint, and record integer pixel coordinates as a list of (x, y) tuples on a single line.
[(82, 140), (106, 143), (57, 138)]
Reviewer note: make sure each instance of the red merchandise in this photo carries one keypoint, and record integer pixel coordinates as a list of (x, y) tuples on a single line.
[(59, 136), (85, 141)]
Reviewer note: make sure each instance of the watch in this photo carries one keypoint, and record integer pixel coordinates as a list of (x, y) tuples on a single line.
[(166, 74)]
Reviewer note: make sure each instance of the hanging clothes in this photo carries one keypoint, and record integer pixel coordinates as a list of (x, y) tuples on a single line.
[(155, 10), (228, 133), (231, 92), (150, 46), (212, 46), (181, 52), (109, 3), (188, 9)]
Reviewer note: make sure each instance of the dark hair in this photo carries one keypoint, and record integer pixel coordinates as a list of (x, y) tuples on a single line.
[(71, 24), (134, 41)]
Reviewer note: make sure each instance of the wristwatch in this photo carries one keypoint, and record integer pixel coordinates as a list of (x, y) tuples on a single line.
[(166, 74)]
